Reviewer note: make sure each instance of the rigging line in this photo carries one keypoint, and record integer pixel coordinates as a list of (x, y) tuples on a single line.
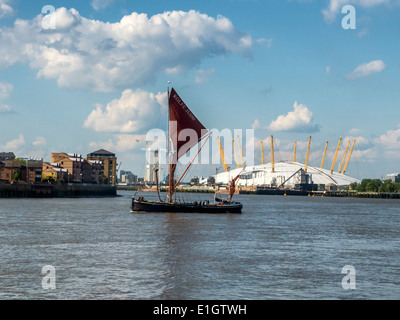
[(365, 162)]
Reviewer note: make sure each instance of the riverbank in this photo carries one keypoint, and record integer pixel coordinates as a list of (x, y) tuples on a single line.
[(281, 192), (47, 190)]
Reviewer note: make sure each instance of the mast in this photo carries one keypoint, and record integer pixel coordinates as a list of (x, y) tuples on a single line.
[(308, 154), (336, 153), (221, 151), (236, 156), (323, 157), (294, 151), (241, 152), (171, 178), (344, 157), (348, 158), (262, 153), (272, 154)]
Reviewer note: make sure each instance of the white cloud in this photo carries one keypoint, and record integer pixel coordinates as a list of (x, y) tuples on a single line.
[(101, 4), (103, 56), (5, 8), (300, 119), (265, 41), (5, 109), (14, 145), (5, 89), (335, 7), (135, 111), (121, 143), (390, 142), (354, 131), (40, 142), (202, 75), (367, 69), (256, 125), (328, 69)]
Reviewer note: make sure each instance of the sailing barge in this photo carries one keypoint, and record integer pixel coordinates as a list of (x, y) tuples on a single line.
[(181, 118)]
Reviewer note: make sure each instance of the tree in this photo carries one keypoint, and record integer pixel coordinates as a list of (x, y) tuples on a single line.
[(353, 186), (103, 179), (369, 185), (17, 176)]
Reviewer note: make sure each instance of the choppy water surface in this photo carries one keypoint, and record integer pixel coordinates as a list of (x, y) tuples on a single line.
[(279, 248)]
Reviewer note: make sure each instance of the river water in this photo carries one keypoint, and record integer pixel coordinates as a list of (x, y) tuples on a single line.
[(278, 248)]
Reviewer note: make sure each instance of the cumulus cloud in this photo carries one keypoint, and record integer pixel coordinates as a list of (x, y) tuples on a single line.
[(40, 142), (300, 120), (367, 69), (5, 109), (14, 145), (103, 56), (202, 75), (390, 142), (121, 143), (101, 4), (135, 111), (256, 125), (335, 7), (5, 89), (5, 8)]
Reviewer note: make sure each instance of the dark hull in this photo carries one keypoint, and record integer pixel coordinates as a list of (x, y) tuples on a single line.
[(148, 206)]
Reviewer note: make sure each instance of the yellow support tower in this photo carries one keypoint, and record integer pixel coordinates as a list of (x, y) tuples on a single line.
[(294, 151), (272, 154), (344, 157), (262, 153), (241, 152), (336, 153), (308, 154), (348, 158), (236, 156), (222, 155), (323, 157)]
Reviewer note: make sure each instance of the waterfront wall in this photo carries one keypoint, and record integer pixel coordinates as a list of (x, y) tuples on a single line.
[(45, 190)]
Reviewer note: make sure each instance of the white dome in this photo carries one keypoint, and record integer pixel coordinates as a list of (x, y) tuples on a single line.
[(289, 172)]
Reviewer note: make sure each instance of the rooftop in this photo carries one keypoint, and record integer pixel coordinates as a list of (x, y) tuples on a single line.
[(7, 155), (100, 153)]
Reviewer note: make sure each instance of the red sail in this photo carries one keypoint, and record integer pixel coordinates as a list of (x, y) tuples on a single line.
[(182, 118)]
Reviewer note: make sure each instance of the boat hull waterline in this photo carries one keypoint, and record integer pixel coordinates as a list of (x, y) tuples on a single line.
[(158, 207)]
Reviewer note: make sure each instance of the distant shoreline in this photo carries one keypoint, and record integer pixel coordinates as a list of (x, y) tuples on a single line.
[(47, 190), (283, 192)]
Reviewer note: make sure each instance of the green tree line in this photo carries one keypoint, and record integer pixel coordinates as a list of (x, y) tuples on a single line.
[(376, 185)]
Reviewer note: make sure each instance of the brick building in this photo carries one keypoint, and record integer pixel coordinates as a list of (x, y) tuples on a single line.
[(109, 160)]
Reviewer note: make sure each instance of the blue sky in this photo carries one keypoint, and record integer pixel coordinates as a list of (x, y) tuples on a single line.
[(286, 68)]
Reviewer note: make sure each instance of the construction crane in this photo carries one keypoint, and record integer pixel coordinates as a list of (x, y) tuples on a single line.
[(348, 158), (323, 157), (221, 150), (308, 154), (344, 157), (119, 167), (336, 154)]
